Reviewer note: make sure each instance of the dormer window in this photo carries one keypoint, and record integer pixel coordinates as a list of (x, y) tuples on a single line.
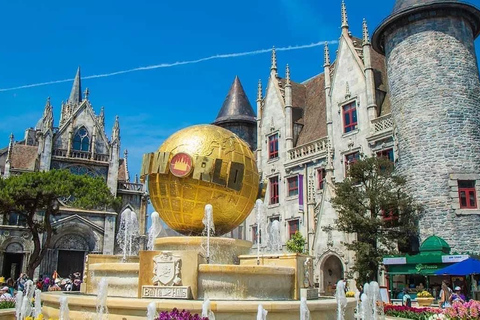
[(81, 141)]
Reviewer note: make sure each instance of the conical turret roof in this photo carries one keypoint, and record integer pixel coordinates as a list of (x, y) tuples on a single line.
[(408, 8), (236, 106)]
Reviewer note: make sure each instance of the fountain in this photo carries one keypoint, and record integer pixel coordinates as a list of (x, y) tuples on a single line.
[(154, 230), (206, 310), (304, 312), (184, 181), (262, 313), (64, 311), (37, 309), (341, 300), (151, 311), (259, 214), (18, 305), (101, 305), (274, 240), (127, 237), (209, 229)]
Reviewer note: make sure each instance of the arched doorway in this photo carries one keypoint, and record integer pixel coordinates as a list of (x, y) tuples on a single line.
[(71, 254), (332, 272), (13, 260)]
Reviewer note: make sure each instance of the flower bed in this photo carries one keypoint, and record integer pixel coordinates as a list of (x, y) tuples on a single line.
[(6, 303), (175, 314), (412, 312), (460, 311)]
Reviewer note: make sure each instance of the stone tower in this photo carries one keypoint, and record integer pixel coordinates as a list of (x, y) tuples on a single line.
[(435, 95), (237, 115)]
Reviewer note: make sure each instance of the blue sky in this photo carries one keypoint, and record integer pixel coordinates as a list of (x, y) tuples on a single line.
[(46, 40)]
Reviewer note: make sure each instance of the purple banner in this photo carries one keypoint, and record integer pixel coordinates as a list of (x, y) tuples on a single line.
[(300, 192)]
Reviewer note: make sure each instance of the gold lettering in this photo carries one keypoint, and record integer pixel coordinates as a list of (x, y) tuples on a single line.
[(216, 173), (146, 164), (203, 168), (235, 176), (160, 162)]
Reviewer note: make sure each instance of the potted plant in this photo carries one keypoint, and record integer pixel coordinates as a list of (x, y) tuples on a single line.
[(424, 298)]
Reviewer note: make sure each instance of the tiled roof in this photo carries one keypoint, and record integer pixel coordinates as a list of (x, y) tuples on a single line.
[(315, 116), (24, 157), (122, 170)]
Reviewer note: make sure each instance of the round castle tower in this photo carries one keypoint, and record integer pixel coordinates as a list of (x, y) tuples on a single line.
[(435, 93)]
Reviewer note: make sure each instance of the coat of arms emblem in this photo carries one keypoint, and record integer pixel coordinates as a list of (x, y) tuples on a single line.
[(166, 270)]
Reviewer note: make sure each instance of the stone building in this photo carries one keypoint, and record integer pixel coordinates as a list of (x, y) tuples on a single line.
[(309, 132), (435, 94), (78, 143)]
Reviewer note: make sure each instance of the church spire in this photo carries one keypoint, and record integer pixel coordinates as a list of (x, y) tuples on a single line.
[(273, 68), (125, 158), (344, 15), (366, 38), (10, 148), (326, 61), (76, 93), (259, 90), (116, 130)]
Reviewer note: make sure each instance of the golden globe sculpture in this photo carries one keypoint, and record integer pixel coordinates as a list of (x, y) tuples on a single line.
[(201, 165)]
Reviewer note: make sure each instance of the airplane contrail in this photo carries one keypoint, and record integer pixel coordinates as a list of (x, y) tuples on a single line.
[(174, 64)]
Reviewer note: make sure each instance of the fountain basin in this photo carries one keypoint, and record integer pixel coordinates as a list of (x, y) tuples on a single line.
[(234, 282), (122, 277), (294, 261), (83, 307), (223, 250)]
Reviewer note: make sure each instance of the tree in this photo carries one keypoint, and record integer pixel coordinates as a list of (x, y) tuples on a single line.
[(35, 197), (296, 243), (372, 203)]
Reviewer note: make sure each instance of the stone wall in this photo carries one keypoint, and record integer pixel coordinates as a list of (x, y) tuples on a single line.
[(435, 90)]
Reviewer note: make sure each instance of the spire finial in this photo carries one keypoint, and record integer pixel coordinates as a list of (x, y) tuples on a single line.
[(10, 149), (274, 61), (86, 93), (287, 75), (125, 153), (344, 15), (11, 137), (326, 60), (116, 129), (259, 90), (366, 38), (76, 93)]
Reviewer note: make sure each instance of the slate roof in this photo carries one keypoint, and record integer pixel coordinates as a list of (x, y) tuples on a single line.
[(309, 102), (236, 106)]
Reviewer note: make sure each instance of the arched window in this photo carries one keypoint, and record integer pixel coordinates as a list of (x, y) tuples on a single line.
[(81, 141)]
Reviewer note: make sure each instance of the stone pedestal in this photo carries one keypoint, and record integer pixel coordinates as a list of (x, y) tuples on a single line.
[(309, 293)]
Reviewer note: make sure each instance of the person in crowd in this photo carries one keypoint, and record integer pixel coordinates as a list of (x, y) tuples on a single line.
[(445, 296), (11, 286), (406, 300), (46, 284), (39, 283), (77, 281), (55, 285), (4, 294), (458, 296), (68, 285), (21, 281)]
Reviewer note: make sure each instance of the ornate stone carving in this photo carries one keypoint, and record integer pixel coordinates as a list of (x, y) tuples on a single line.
[(166, 270), (14, 247), (307, 273), (72, 242)]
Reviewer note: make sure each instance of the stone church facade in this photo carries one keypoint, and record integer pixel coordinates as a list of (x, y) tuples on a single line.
[(309, 132), (78, 143)]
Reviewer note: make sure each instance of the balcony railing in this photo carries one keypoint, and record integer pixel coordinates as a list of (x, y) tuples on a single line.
[(81, 155), (382, 123), (308, 150), (130, 186)]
